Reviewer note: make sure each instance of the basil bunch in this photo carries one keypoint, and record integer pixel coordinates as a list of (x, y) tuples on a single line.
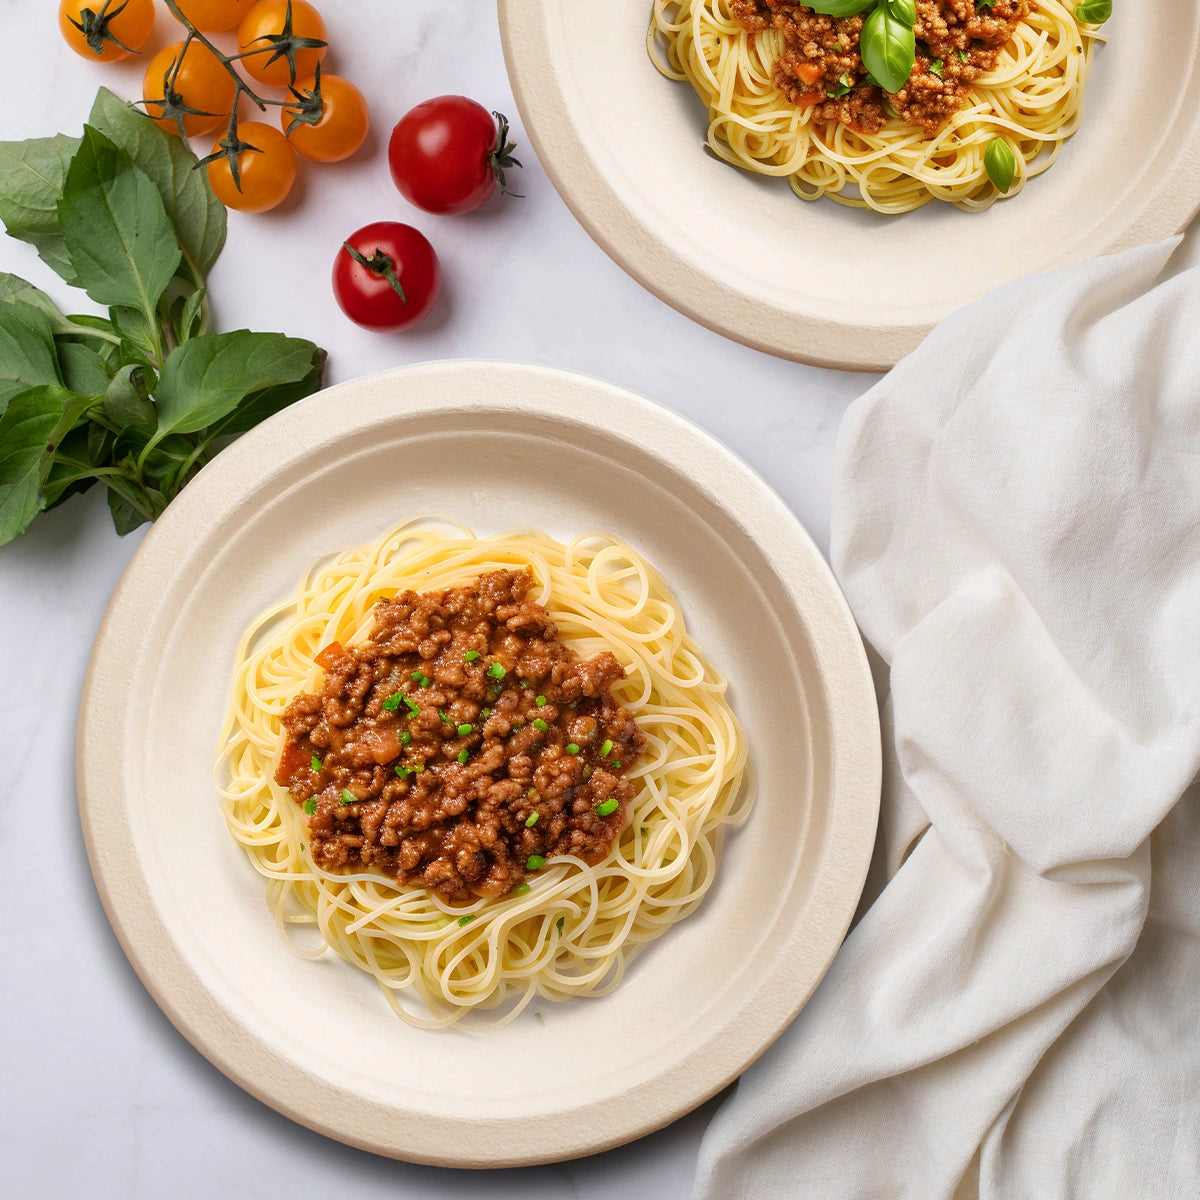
[(887, 44), (141, 399)]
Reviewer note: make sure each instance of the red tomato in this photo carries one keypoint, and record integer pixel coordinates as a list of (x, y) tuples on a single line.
[(106, 29), (449, 154), (327, 118), (386, 276)]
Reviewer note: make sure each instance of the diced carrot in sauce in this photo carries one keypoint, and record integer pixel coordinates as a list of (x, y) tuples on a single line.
[(809, 73), (328, 655), (292, 761)]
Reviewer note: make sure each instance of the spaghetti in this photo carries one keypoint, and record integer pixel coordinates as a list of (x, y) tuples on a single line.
[(1027, 103), (576, 928)]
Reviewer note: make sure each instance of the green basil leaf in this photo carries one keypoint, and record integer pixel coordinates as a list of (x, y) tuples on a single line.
[(13, 287), (30, 430), (207, 378), (196, 214), (115, 227), (258, 406), (27, 352), (905, 11), (32, 175), (83, 370), (888, 48), (137, 333), (71, 471), (125, 517), (1093, 12), (840, 8), (189, 313), (127, 397), (1000, 163)]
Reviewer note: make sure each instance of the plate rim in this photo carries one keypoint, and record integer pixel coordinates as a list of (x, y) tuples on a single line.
[(621, 232), (172, 980)]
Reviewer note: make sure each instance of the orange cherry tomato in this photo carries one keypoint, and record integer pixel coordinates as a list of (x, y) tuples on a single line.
[(261, 30), (265, 173), (327, 123), (201, 83), (214, 16), (108, 30)]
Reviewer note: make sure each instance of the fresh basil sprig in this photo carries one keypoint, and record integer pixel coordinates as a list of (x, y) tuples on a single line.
[(141, 399), (887, 43)]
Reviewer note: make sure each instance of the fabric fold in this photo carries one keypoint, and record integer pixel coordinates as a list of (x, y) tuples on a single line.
[(1017, 529)]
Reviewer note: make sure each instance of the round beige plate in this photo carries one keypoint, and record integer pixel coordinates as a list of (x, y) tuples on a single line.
[(819, 282), (496, 446)]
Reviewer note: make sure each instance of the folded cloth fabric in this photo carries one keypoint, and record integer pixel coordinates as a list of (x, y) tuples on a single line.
[(1017, 528)]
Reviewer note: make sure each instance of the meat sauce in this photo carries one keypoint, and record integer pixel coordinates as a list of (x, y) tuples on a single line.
[(461, 744), (821, 66)]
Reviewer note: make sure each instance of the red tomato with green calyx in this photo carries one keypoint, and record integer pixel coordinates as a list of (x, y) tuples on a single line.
[(449, 155), (386, 276)]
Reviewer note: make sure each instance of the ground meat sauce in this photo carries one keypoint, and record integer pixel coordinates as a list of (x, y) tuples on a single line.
[(459, 742), (821, 65)]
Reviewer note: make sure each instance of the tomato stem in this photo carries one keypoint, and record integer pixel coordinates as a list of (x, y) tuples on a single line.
[(379, 264), (94, 27), (286, 44), (501, 157)]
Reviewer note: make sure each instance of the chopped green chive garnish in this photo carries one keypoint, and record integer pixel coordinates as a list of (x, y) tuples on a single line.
[(413, 709), (531, 820), (463, 755), (522, 683), (616, 766), (422, 680), (404, 772), (606, 749), (535, 862), (540, 701), (470, 656), (464, 729), (393, 701), (609, 807), (485, 713), (418, 766), (936, 68), (540, 725), (537, 1016), (467, 919), (310, 806), (963, 56), (406, 738), (317, 764), (348, 797), (520, 889), (560, 923), (572, 748), (445, 720), (497, 671)]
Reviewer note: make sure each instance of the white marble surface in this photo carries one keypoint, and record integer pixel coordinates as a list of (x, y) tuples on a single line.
[(100, 1094)]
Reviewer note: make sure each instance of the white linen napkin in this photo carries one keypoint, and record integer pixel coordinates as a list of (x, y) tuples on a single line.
[(1017, 528)]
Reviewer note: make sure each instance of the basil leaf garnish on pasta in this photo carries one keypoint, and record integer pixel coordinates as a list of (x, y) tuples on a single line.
[(888, 48), (1000, 163)]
